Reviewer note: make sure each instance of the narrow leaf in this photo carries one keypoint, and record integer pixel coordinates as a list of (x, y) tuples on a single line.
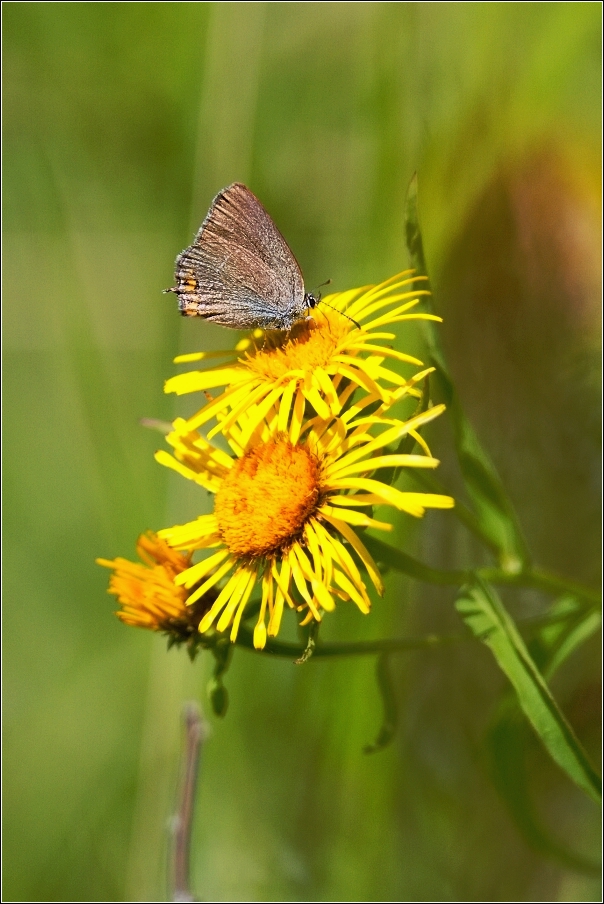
[(485, 615), (508, 737), (561, 639), (496, 514)]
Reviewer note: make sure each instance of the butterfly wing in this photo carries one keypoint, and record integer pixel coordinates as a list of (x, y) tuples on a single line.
[(240, 271)]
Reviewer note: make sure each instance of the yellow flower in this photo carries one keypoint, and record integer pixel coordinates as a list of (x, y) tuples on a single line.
[(285, 504), (314, 360), (148, 594)]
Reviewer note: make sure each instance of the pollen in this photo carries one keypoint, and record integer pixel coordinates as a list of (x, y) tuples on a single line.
[(309, 344), (267, 497)]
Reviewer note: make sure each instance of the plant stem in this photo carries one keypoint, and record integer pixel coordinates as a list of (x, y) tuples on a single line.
[(537, 578), (357, 648), (540, 579), (182, 823)]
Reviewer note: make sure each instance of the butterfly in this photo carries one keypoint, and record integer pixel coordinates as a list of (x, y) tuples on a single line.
[(240, 272)]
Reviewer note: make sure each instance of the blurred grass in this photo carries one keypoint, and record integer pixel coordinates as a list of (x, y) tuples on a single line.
[(121, 123)]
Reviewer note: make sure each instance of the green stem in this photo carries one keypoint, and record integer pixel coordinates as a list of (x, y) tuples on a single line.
[(541, 579), (245, 638), (536, 578), (401, 561)]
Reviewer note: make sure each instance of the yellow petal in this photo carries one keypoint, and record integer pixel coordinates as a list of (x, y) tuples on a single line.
[(202, 356), (205, 480), (323, 595), (402, 318), (285, 406), (239, 582), (389, 353), (297, 416), (211, 581), (327, 387), (241, 608), (352, 591), (362, 552), (200, 380), (386, 461), (356, 518), (223, 597), (260, 635), (300, 583), (197, 572), (317, 402), (357, 375)]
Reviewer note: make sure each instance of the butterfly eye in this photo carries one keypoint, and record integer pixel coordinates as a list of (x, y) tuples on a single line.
[(311, 300)]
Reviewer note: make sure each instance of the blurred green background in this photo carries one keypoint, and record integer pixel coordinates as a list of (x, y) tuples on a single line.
[(122, 120)]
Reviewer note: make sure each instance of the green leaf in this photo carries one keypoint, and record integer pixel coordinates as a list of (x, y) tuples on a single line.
[(390, 718), (484, 614), (507, 739), (497, 518), (560, 640)]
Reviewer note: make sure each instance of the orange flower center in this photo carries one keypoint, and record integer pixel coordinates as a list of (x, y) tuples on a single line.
[(266, 498), (309, 344)]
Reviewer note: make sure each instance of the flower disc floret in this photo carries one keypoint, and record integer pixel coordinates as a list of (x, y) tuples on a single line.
[(309, 344), (266, 497)]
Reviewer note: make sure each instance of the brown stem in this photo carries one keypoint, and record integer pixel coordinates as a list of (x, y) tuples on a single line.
[(182, 823)]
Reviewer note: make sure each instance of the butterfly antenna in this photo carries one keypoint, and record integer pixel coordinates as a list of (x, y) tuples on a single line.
[(313, 301), (352, 320)]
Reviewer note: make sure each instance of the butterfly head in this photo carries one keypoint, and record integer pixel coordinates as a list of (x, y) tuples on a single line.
[(311, 301)]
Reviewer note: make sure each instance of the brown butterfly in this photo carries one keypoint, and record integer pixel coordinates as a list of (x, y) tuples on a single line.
[(240, 272)]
